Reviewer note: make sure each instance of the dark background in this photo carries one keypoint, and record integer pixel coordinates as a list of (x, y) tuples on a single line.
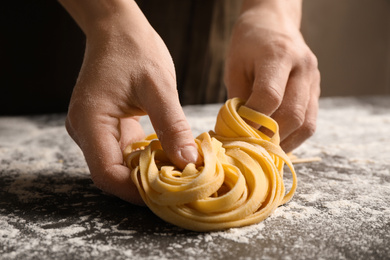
[(41, 51)]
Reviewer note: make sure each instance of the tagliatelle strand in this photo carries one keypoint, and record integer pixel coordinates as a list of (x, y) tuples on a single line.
[(239, 183)]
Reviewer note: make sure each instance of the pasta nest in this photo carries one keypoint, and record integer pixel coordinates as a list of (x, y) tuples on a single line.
[(239, 182)]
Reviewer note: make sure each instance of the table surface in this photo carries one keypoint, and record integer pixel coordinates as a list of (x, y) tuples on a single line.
[(50, 209)]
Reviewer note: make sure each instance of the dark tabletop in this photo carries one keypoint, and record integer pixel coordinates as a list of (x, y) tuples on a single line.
[(50, 209)]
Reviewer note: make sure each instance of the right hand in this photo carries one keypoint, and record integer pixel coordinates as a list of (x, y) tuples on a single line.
[(270, 65), (127, 72)]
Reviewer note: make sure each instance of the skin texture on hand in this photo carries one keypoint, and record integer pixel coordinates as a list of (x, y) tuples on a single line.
[(127, 72), (269, 65)]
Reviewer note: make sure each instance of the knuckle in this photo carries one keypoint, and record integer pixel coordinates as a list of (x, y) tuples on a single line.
[(272, 94), (175, 131), (297, 118), (282, 43), (156, 74), (308, 128), (181, 127), (281, 50), (178, 125), (310, 61), (155, 84)]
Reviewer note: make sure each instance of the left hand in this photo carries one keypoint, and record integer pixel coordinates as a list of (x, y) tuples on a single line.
[(269, 65)]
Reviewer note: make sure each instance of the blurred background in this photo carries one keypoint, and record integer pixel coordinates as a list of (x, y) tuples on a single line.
[(351, 39), (41, 49)]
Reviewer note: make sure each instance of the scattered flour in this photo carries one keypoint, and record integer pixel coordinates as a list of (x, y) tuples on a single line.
[(7, 231), (341, 206), (239, 235), (295, 212)]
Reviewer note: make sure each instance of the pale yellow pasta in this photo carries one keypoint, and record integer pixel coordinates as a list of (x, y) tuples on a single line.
[(239, 183)]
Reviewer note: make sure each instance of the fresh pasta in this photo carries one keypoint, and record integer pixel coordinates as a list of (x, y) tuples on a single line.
[(239, 182)]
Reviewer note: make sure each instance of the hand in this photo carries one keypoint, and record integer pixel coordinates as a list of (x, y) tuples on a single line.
[(127, 72), (270, 66)]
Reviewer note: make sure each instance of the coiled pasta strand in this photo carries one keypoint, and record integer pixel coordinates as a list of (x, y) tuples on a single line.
[(239, 183)]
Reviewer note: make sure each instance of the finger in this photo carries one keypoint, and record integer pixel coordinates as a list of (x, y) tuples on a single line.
[(268, 87), (268, 90), (98, 138), (172, 128), (291, 114), (237, 82), (308, 127)]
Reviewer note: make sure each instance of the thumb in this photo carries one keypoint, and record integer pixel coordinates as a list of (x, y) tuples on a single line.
[(97, 135), (173, 131)]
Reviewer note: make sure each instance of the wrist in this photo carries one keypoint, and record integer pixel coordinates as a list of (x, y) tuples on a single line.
[(289, 10)]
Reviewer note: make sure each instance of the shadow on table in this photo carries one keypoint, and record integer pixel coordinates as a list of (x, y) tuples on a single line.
[(58, 200)]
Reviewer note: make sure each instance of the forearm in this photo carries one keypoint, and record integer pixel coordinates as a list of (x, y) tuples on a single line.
[(103, 16), (288, 9)]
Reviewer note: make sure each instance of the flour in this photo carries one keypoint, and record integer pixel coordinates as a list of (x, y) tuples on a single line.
[(7, 232), (295, 212), (239, 235), (311, 197), (49, 209), (67, 231)]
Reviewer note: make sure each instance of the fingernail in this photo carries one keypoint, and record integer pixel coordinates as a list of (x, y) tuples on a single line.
[(190, 154)]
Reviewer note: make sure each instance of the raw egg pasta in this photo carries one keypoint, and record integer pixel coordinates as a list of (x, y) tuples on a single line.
[(239, 182)]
